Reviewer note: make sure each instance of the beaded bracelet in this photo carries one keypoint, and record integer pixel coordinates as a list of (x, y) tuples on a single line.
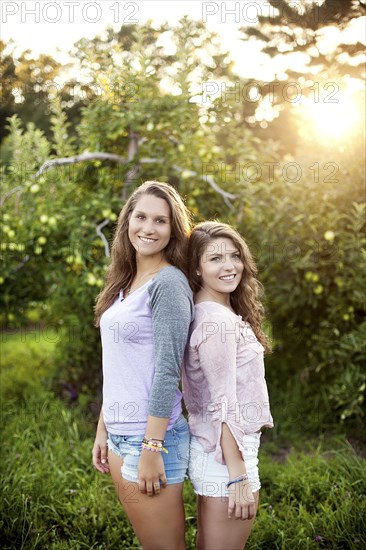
[(237, 480), (153, 441), (154, 445)]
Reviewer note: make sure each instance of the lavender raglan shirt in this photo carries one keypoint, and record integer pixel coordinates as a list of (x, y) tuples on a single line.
[(143, 342)]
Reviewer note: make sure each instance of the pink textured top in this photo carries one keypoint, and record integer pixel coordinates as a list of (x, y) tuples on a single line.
[(223, 378)]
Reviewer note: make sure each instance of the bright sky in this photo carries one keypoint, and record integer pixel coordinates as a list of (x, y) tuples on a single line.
[(53, 26), (45, 26)]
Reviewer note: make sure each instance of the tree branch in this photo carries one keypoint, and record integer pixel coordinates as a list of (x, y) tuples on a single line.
[(11, 192), (21, 263), (86, 156), (133, 148), (100, 234), (79, 158), (209, 179)]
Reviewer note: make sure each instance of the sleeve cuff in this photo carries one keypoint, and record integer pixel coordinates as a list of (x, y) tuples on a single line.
[(236, 431)]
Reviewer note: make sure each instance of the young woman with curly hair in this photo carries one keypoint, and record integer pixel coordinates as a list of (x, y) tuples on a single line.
[(224, 387)]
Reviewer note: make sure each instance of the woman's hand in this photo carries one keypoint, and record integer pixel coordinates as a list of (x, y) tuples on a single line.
[(150, 471), (241, 501), (100, 450)]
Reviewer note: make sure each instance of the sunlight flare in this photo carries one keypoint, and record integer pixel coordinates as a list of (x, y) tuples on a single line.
[(334, 119)]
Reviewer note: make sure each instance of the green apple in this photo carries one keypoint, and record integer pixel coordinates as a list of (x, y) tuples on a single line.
[(91, 280), (34, 188)]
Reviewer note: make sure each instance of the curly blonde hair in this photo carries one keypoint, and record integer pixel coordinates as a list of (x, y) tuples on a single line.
[(122, 268), (245, 299)]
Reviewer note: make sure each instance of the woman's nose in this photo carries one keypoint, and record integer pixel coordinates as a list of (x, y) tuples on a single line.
[(229, 264), (148, 227)]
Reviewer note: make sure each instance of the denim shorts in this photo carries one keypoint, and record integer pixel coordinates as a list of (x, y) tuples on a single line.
[(128, 447), (209, 477)]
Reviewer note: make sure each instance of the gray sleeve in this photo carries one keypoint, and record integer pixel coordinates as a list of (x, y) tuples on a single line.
[(172, 312)]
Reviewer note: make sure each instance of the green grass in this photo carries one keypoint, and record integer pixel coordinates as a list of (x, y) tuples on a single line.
[(26, 362), (311, 497)]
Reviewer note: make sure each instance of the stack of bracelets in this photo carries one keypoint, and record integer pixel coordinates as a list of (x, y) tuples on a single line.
[(154, 445), (237, 480)]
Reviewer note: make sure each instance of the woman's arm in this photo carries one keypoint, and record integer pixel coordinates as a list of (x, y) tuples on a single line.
[(216, 340), (172, 308), (172, 312), (233, 457), (241, 500), (100, 449)]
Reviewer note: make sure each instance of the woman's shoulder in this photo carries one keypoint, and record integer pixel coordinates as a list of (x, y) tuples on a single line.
[(209, 319), (172, 283), (171, 277), (213, 310), (171, 273)]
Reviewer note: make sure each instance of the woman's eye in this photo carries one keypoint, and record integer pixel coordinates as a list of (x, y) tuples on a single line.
[(214, 258), (140, 217), (160, 221), (237, 257)]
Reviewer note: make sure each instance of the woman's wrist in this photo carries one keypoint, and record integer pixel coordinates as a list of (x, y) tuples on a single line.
[(147, 455), (156, 428), (153, 445), (236, 469), (240, 479)]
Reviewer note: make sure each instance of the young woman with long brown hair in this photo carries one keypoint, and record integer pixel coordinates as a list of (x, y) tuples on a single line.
[(224, 388), (144, 312)]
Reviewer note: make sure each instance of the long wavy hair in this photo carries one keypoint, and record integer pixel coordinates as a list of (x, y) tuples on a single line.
[(245, 299), (122, 267)]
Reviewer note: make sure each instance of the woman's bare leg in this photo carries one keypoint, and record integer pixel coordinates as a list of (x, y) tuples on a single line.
[(215, 530), (158, 521)]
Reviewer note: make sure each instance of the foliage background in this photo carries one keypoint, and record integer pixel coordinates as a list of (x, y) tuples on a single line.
[(306, 229)]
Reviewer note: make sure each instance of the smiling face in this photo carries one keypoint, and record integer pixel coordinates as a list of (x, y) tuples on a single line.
[(220, 268), (149, 228)]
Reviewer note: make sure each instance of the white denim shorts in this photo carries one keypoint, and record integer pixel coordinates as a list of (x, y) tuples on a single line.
[(209, 477)]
